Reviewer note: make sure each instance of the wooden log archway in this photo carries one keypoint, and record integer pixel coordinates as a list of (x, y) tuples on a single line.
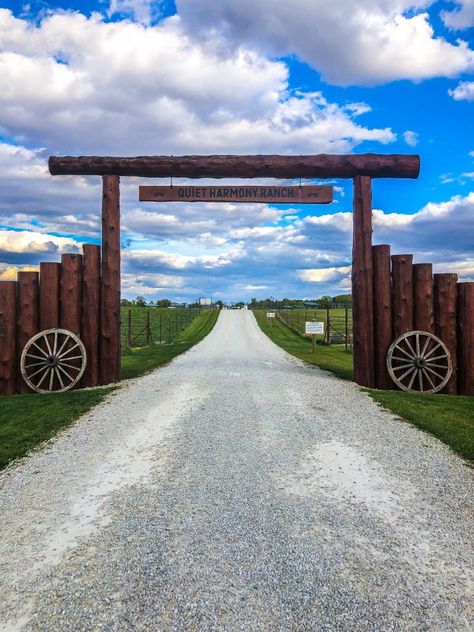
[(361, 167)]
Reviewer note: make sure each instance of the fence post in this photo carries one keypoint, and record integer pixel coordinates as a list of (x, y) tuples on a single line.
[(402, 299), (445, 299), (382, 315), (159, 317), (8, 357), (466, 338), (328, 326), (424, 301), (70, 290), (346, 328), (28, 301), (90, 312), (129, 328), (49, 295), (148, 332)]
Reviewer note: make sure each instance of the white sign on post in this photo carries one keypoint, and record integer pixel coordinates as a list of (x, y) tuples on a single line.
[(270, 314), (314, 328)]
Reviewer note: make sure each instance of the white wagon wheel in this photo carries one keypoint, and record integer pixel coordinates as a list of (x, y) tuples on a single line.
[(53, 360), (419, 362)]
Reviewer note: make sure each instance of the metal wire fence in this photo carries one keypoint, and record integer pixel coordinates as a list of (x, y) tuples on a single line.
[(142, 326), (337, 322)]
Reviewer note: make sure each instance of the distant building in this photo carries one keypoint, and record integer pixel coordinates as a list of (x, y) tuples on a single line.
[(205, 302)]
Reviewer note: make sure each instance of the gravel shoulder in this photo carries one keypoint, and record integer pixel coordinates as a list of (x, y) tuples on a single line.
[(237, 489)]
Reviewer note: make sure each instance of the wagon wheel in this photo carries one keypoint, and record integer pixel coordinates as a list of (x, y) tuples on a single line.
[(419, 362), (53, 360)]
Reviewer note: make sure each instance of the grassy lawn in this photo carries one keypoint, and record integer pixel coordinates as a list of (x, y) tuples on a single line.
[(449, 418), (332, 358), (28, 420), (137, 362)]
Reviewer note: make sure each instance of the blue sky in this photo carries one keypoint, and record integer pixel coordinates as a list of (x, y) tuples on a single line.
[(131, 77)]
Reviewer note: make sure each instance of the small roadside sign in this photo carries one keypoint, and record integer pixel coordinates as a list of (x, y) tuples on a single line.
[(270, 314), (314, 328)]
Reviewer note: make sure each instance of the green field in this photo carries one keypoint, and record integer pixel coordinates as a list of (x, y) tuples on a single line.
[(449, 418), (28, 420), (140, 326)]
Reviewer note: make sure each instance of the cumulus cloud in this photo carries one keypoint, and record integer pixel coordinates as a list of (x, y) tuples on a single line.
[(461, 17), (411, 138), (18, 246), (324, 275), (383, 40), (116, 87), (464, 91)]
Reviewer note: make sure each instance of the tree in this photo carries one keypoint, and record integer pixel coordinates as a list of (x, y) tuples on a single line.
[(140, 301), (324, 301), (219, 304), (163, 302)]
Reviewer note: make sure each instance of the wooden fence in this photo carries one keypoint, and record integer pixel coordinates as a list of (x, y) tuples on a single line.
[(410, 297), (66, 295)]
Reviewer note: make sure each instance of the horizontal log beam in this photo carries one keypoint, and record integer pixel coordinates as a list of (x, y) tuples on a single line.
[(316, 166)]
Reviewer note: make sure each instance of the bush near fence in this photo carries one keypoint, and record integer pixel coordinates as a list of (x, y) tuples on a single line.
[(143, 326)]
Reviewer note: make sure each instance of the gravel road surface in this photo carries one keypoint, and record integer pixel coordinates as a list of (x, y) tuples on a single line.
[(237, 489)]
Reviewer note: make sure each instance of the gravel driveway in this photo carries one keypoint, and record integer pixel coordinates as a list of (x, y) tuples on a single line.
[(237, 489)]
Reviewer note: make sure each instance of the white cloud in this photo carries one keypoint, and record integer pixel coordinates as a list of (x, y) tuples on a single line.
[(349, 42), (116, 87), (411, 138), (324, 275), (464, 91), (461, 17)]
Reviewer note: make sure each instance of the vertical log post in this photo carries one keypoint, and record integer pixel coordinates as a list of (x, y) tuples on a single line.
[(445, 302), (423, 311), (465, 338), (402, 294), (382, 315), (49, 295), (110, 300), (8, 358), (28, 317), (362, 283), (91, 312), (70, 292)]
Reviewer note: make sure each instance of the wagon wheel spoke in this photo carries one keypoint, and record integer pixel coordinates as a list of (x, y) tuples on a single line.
[(50, 351), (67, 351), (38, 371), (70, 366), (430, 352), (407, 342), (62, 346), (406, 353), (51, 379), (40, 349), (435, 366), (425, 346), (59, 377), (69, 377), (407, 373), (436, 358), (417, 344), (434, 373), (30, 355), (420, 379), (427, 375), (29, 366), (55, 345), (398, 358), (42, 379), (412, 380), (402, 366)]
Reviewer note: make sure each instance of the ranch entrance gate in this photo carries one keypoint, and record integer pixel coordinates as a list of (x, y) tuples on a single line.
[(391, 296)]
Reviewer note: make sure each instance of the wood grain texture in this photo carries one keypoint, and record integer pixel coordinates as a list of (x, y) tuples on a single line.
[(269, 166), (402, 294), (445, 302), (49, 295), (423, 297), (382, 314), (362, 284), (28, 317), (71, 293), (8, 359), (465, 336), (110, 285), (91, 312)]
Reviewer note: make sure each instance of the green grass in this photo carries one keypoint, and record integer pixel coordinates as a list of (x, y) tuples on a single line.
[(332, 358), (28, 420), (165, 323), (449, 418), (137, 362)]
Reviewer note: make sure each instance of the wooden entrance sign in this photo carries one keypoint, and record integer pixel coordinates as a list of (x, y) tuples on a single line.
[(238, 193)]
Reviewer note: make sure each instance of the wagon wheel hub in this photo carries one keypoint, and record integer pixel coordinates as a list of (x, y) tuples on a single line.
[(420, 363), (51, 361)]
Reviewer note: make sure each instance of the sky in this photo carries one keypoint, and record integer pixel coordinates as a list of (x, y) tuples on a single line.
[(138, 77)]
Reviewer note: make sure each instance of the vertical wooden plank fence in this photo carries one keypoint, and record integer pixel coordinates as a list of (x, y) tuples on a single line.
[(382, 315), (28, 320), (402, 294), (49, 295), (423, 315), (466, 338), (8, 356), (71, 293), (445, 301), (91, 312)]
